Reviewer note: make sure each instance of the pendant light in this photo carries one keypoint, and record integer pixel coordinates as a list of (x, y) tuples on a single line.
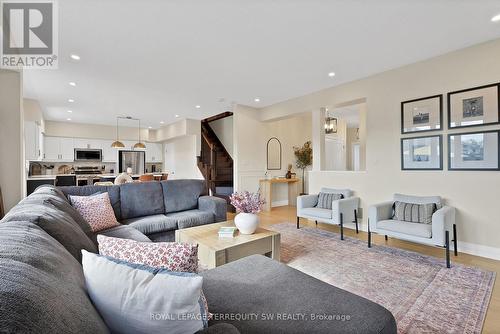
[(117, 143), (139, 145), (330, 124)]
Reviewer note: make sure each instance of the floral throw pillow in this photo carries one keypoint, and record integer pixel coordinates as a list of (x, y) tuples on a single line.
[(173, 256), (96, 210)]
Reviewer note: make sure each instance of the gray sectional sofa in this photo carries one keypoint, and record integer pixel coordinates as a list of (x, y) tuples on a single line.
[(42, 287), (157, 209)]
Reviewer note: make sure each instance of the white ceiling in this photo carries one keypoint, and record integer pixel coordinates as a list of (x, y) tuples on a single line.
[(156, 59)]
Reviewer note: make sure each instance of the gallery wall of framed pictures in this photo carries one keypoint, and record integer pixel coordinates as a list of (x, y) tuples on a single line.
[(467, 150)]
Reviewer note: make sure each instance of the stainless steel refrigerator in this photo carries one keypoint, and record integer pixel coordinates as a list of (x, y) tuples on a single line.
[(133, 159)]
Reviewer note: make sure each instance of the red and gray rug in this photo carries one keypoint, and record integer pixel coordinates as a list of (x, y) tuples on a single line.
[(423, 295)]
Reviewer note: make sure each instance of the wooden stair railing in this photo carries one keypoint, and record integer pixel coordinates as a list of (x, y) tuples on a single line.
[(215, 163)]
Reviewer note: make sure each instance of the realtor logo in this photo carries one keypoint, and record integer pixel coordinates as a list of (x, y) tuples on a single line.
[(29, 34)]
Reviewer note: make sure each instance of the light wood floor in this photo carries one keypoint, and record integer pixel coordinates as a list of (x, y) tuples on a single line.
[(492, 322)]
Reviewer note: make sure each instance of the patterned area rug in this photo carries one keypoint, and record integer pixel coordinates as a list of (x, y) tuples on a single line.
[(423, 295)]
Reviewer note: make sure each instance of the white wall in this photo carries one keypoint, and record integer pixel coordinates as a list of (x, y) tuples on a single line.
[(180, 158), (11, 138), (250, 140), (474, 194), (223, 128), (94, 131)]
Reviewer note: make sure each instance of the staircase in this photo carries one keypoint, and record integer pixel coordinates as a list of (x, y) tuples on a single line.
[(215, 163)]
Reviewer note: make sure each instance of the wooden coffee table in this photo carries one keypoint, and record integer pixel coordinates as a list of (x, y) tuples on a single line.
[(214, 251)]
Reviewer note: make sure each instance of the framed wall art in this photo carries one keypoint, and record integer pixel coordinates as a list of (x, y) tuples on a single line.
[(474, 151), (474, 107), (424, 114), (422, 153)]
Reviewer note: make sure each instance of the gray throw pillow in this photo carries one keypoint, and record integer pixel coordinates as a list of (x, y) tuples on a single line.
[(325, 200), (415, 213)]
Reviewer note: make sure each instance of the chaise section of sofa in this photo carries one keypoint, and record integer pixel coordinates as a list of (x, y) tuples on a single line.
[(260, 295)]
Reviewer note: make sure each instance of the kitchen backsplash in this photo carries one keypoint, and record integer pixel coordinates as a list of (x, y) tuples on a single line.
[(52, 168)]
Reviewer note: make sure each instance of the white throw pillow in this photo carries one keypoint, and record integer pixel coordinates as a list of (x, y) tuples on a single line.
[(133, 298)]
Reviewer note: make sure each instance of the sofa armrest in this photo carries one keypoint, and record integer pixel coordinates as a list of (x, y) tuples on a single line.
[(442, 220), (346, 207), (306, 201), (215, 205), (378, 212)]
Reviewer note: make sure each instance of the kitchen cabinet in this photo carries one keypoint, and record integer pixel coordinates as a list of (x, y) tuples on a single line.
[(58, 149), (154, 152), (33, 139), (109, 154)]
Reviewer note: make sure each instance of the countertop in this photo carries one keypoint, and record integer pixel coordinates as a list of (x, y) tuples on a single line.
[(53, 176)]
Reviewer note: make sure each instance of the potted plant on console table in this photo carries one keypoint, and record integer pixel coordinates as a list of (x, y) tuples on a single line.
[(247, 205)]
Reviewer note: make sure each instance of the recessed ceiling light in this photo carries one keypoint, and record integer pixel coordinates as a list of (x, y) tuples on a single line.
[(75, 57), (256, 99), (68, 119), (162, 122), (72, 83), (150, 127), (71, 100), (197, 106), (176, 116), (495, 18), (331, 74), (70, 111)]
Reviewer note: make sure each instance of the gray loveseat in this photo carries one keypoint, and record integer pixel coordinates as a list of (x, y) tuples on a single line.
[(157, 209), (42, 287)]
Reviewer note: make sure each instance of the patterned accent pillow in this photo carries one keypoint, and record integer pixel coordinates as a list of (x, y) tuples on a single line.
[(325, 200), (96, 210), (173, 256), (415, 213)]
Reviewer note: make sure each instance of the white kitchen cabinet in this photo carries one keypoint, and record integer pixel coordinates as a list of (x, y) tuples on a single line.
[(154, 152), (33, 141), (109, 154), (58, 149)]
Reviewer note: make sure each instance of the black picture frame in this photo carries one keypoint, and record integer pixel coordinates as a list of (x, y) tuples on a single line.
[(471, 133), (448, 100), (440, 137), (440, 96)]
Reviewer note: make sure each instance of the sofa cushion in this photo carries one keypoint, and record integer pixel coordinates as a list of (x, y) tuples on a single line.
[(419, 199), (142, 299), (173, 256), (96, 210), (414, 229), (42, 289), (152, 224), (257, 284), (192, 218), (317, 212), (346, 192), (415, 213), (181, 195), (113, 192), (325, 200), (141, 199), (162, 236), (220, 328), (125, 232), (56, 223)]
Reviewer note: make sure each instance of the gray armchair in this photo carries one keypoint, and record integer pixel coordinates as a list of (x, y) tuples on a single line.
[(343, 210), (380, 221)]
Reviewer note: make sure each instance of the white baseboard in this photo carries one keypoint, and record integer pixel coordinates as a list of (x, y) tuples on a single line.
[(463, 247), (279, 203)]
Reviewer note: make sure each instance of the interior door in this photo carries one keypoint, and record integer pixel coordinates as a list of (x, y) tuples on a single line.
[(356, 157)]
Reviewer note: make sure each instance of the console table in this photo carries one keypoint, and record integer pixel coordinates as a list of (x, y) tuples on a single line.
[(266, 191)]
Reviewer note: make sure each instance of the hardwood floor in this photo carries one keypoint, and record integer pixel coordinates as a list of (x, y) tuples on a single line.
[(492, 322)]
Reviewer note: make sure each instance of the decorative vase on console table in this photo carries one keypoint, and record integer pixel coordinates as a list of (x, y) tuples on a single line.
[(247, 205)]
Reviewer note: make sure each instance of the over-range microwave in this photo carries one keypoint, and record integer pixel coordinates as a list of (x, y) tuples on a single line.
[(88, 154)]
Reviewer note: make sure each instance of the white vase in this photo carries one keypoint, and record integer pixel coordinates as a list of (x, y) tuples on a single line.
[(246, 222)]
